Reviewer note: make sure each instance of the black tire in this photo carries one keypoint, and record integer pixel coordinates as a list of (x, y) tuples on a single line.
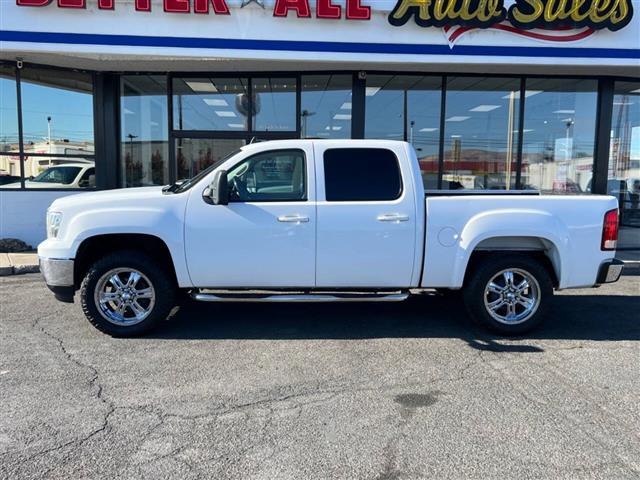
[(162, 283), (485, 271)]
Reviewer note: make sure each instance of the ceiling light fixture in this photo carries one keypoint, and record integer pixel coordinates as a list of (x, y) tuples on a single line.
[(225, 113), (527, 94), (201, 86), (216, 102), (484, 108), (458, 118)]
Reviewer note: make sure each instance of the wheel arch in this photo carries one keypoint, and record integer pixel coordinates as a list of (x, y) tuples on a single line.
[(97, 246), (542, 249)]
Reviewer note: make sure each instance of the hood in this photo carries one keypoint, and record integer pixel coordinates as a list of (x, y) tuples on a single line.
[(106, 197)]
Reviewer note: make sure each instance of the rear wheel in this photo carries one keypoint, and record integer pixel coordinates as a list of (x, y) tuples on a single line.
[(509, 294), (126, 294)]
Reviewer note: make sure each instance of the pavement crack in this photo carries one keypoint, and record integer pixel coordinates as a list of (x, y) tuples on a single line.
[(93, 384)]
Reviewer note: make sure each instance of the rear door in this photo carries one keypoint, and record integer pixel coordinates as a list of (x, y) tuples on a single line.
[(366, 214)]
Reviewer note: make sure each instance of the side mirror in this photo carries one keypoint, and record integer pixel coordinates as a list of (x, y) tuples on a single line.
[(218, 192)]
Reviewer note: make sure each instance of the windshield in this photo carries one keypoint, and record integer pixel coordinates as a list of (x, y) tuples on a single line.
[(63, 175), (187, 184)]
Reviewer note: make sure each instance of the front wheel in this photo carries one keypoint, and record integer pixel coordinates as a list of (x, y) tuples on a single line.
[(509, 294), (126, 294)]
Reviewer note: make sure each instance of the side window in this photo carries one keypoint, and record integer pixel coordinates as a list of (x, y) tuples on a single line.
[(274, 176), (88, 178), (361, 174)]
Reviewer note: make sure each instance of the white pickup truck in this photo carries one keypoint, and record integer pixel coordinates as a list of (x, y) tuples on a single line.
[(322, 221)]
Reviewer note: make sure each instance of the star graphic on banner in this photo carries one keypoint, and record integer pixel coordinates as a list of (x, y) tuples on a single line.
[(244, 3)]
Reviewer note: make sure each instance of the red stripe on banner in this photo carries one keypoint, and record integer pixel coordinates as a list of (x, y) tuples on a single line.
[(543, 36), (459, 31)]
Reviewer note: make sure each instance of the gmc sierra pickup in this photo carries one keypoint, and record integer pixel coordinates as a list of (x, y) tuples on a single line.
[(322, 221)]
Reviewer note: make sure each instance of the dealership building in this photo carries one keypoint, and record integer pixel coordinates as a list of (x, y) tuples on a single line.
[(493, 94)]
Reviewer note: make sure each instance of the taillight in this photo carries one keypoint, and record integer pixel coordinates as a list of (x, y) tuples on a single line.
[(610, 230)]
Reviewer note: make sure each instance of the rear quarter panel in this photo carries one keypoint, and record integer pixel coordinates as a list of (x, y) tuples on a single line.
[(571, 227)]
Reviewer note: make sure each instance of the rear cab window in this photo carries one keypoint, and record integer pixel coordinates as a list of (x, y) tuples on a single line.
[(361, 174)]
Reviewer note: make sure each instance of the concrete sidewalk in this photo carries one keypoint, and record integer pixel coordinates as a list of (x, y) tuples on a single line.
[(16, 263)]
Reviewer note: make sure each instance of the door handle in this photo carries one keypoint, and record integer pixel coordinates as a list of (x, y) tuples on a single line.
[(293, 219), (393, 217)]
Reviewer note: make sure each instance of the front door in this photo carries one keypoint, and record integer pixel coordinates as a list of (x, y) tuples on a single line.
[(265, 237), (366, 217)]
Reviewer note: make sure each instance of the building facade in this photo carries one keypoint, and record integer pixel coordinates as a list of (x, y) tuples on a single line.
[(493, 95)]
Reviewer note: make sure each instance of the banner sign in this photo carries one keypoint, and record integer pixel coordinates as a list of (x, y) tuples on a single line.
[(522, 15), (558, 21)]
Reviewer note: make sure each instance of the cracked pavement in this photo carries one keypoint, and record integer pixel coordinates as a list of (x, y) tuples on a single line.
[(362, 391)]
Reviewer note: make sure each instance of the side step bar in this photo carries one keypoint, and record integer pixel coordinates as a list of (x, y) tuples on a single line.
[(300, 298)]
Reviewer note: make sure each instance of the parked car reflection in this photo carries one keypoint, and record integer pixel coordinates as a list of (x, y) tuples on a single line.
[(66, 175)]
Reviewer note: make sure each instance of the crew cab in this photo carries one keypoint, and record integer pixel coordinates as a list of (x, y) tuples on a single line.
[(322, 221)]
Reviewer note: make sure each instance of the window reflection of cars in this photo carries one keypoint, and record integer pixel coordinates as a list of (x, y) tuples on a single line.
[(627, 191), (68, 175), (6, 179)]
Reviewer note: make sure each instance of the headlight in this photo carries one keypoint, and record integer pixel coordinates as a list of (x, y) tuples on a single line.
[(54, 219)]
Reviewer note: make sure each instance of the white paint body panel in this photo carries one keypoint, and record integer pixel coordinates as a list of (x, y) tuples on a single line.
[(342, 245), (572, 224), (355, 249), (244, 244)]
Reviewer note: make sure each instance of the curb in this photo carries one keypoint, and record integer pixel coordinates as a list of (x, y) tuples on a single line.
[(18, 270), (18, 263)]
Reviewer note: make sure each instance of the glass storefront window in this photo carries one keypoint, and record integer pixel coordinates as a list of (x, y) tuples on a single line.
[(385, 106), (57, 110), (559, 135), (480, 137), (8, 110), (274, 104), (10, 162), (210, 103), (195, 154), (143, 137), (388, 97), (624, 161), (57, 124), (326, 106)]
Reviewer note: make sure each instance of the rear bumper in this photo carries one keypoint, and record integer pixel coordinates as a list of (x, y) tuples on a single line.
[(610, 271), (58, 275)]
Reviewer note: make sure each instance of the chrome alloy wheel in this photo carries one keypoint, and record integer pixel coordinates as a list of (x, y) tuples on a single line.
[(512, 296), (124, 296)]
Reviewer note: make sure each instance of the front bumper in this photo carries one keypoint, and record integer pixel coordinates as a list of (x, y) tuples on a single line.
[(58, 275), (610, 271)]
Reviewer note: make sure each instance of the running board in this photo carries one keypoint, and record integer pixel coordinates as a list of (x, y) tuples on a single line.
[(301, 298)]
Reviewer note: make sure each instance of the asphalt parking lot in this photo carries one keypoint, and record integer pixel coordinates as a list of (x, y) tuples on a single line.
[(363, 391)]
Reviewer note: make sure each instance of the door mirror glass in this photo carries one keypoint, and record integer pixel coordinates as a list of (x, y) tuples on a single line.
[(218, 191)]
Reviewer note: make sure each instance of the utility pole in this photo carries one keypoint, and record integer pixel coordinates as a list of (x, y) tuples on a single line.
[(49, 137)]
